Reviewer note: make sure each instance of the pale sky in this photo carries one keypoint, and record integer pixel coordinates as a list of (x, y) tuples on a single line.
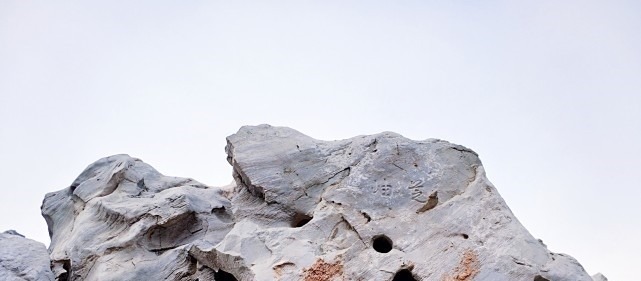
[(547, 92)]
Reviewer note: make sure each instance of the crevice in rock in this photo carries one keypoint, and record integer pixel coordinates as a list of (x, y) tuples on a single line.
[(343, 173), (113, 249), (432, 201), (397, 166), (160, 251), (65, 276), (517, 261), (463, 149)]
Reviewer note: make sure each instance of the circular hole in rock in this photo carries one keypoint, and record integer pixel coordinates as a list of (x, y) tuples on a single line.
[(300, 220), (404, 275), (382, 244), (465, 236), (222, 275)]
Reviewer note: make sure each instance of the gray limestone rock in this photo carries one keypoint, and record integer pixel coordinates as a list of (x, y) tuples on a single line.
[(123, 220), (23, 259), (599, 277), (379, 207)]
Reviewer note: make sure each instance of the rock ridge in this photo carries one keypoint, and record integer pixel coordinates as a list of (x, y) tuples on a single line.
[(375, 207)]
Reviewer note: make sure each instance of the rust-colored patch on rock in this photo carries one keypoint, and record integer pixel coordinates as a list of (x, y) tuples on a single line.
[(323, 271), (466, 270)]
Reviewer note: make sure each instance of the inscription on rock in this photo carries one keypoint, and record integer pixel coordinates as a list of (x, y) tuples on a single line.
[(415, 187), (417, 192)]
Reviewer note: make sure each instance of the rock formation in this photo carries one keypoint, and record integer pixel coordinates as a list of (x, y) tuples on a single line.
[(23, 259), (122, 220), (379, 207)]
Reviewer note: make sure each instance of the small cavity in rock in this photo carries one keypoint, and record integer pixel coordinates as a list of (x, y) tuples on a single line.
[(382, 244)]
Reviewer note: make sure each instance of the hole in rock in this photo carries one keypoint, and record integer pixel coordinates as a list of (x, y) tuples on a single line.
[(300, 220), (222, 214), (382, 244), (540, 278), (222, 275), (66, 265), (404, 275), (367, 217), (465, 236)]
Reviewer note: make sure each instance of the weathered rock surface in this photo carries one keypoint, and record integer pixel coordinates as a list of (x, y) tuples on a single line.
[(599, 277), (379, 207), (23, 259), (123, 220)]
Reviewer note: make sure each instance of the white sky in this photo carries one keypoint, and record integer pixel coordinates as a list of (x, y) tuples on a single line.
[(547, 92)]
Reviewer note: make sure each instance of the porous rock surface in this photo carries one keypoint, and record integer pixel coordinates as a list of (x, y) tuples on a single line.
[(23, 259), (378, 207)]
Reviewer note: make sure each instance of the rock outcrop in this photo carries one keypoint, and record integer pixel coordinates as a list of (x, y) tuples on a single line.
[(599, 277), (23, 259), (379, 207), (122, 220)]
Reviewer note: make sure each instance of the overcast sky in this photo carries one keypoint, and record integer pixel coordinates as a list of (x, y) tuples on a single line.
[(547, 92)]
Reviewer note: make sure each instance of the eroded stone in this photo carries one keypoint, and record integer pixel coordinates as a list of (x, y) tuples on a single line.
[(379, 207), (23, 259)]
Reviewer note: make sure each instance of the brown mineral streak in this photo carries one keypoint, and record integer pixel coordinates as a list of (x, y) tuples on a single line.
[(466, 270), (323, 271)]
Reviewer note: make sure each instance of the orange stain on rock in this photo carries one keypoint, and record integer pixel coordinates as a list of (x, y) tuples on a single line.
[(323, 271), (466, 270)]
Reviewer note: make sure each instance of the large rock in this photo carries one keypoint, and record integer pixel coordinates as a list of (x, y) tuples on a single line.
[(123, 220), (379, 207), (23, 259)]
